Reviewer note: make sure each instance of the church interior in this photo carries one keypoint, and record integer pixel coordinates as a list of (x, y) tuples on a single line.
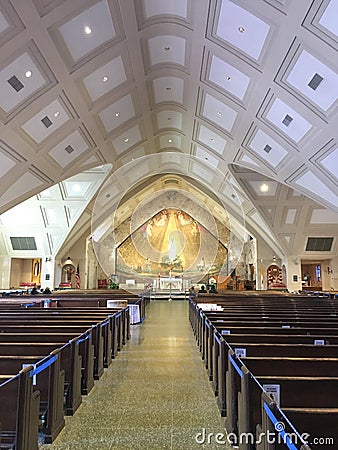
[(152, 146), (97, 122)]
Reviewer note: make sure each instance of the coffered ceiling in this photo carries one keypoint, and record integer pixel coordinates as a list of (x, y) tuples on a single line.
[(227, 94)]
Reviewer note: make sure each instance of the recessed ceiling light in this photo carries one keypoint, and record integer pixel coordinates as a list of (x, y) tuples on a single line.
[(169, 118), (228, 78), (168, 88), (126, 140), (87, 30), (105, 78), (264, 187), (117, 114), (219, 113), (28, 74), (76, 188), (57, 113), (206, 158), (170, 140), (167, 48), (212, 139), (241, 29)]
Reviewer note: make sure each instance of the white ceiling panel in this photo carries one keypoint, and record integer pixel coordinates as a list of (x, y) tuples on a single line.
[(160, 7), (306, 69), (247, 160), (6, 164), (69, 149), (290, 215), (211, 139), (168, 89), (167, 49), (134, 154), (49, 119), (168, 141), (290, 122), (105, 78), (24, 183), (55, 216), (202, 172), (267, 148), (138, 172), (76, 189), (257, 187), (206, 156), (312, 183), (321, 216), (229, 78), (4, 25), (118, 113), (19, 68), (88, 30), (241, 29), (329, 19), (330, 163), (169, 119), (219, 113), (171, 158), (127, 140)]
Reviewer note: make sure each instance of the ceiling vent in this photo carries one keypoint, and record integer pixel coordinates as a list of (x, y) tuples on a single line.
[(287, 120), (15, 83), (69, 149), (46, 121), (267, 148), (23, 243), (315, 81), (319, 244)]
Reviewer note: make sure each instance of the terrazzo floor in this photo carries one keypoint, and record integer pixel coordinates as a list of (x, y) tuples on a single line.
[(155, 395)]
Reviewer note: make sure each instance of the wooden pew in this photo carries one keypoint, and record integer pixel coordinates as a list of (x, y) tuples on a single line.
[(49, 381), (264, 367), (248, 329), (296, 394), (320, 423), (19, 412), (84, 349), (59, 324), (113, 332), (70, 360)]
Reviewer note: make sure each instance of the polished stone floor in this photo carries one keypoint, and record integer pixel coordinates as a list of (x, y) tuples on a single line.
[(155, 395)]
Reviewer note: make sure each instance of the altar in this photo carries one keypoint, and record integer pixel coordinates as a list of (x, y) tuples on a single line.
[(167, 283)]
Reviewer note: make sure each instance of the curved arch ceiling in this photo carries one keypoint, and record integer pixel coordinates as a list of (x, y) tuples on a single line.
[(250, 89)]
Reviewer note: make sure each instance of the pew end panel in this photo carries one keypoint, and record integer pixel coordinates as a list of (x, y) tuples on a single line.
[(19, 412)]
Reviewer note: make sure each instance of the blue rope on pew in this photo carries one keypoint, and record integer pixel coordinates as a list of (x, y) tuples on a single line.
[(79, 341), (279, 428), (39, 368), (217, 339), (231, 359)]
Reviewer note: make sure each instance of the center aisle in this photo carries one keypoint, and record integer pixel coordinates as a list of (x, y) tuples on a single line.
[(155, 395)]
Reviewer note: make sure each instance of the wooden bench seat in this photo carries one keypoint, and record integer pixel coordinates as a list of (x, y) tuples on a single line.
[(49, 381), (19, 423), (278, 336), (316, 426), (294, 375)]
